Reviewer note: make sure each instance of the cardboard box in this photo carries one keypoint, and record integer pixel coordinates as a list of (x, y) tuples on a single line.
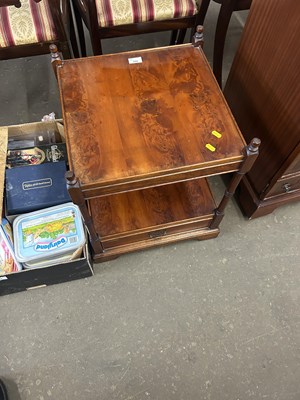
[(38, 277)]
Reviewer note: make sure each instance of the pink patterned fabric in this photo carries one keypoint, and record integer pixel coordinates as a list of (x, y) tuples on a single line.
[(122, 12), (32, 23)]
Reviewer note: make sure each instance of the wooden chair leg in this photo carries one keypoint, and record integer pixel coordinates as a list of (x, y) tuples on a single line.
[(181, 36), (226, 10), (202, 12), (80, 31), (73, 38), (96, 45), (65, 50), (173, 37)]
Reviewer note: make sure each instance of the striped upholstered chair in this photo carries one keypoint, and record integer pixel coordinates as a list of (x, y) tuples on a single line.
[(226, 10), (28, 28), (115, 18)]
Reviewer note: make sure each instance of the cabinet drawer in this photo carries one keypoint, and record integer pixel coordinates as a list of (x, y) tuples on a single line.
[(287, 185)]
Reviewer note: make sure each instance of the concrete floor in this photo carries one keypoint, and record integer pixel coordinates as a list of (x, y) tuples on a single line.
[(211, 320)]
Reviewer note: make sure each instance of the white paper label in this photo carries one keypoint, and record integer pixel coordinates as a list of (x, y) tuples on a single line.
[(135, 60)]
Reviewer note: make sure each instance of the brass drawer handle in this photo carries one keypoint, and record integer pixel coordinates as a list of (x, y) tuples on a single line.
[(287, 187), (157, 234)]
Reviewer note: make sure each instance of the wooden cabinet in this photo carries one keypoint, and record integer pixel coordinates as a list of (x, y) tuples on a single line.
[(143, 130), (263, 92)]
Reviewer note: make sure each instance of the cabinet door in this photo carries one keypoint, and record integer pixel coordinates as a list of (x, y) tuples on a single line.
[(263, 87)]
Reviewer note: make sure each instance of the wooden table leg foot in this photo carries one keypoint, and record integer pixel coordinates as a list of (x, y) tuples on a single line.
[(104, 259)]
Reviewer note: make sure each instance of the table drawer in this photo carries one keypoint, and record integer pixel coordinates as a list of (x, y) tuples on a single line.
[(287, 185), (160, 234), (153, 214)]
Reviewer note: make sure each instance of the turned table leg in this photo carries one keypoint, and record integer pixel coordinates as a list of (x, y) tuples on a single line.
[(77, 197), (251, 154), (56, 60)]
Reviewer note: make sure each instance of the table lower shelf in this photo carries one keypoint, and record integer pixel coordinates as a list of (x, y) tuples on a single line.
[(151, 217)]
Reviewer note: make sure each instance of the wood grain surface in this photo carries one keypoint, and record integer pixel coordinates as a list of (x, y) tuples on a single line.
[(129, 123), (263, 88), (128, 218), (151, 207)]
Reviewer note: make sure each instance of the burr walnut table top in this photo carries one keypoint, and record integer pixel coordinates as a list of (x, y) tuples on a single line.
[(145, 118)]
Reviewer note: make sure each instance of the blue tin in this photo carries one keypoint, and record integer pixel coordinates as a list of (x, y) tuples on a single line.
[(48, 233)]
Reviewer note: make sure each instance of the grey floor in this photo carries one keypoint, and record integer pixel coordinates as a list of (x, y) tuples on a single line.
[(211, 320)]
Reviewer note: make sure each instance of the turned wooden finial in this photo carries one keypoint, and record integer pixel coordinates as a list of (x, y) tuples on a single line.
[(253, 147), (254, 144), (54, 52), (198, 38), (71, 178)]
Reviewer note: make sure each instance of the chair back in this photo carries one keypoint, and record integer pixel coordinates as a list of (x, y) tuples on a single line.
[(6, 3), (29, 29)]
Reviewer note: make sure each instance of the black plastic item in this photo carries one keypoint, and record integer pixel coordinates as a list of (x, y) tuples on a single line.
[(3, 391)]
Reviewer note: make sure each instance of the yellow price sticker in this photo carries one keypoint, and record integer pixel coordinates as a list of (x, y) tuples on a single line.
[(216, 134), (210, 147)]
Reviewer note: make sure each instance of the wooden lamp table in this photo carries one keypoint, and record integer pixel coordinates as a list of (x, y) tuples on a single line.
[(143, 130)]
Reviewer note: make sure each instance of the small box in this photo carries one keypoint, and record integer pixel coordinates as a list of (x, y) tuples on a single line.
[(37, 155), (35, 187), (44, 276)]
